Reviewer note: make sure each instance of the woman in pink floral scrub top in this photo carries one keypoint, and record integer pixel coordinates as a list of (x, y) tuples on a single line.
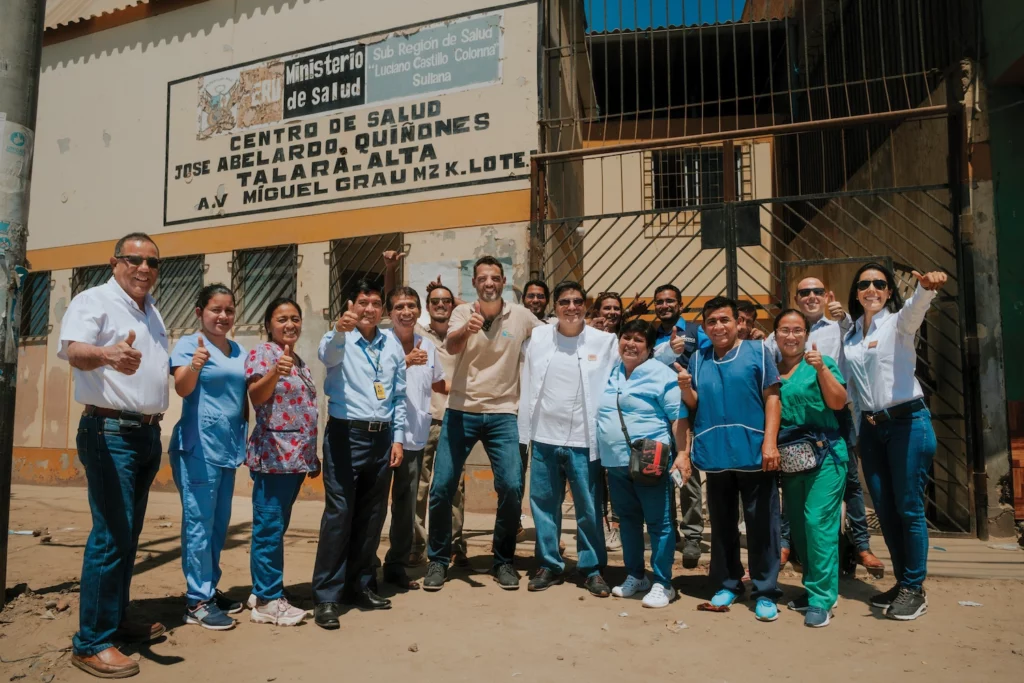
[(281, 452)]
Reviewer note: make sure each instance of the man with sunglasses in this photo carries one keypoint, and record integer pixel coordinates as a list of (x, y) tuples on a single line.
[(565, 368), (116, 343), (829, 325)]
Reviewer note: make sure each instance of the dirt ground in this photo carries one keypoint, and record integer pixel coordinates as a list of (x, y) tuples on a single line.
[(473, 631)]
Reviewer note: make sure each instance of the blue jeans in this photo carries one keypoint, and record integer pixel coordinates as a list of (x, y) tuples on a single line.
[(206, 492), (552, 465), (897, 457), (638, 504), (273, 496), (460, 431), (120, 465)]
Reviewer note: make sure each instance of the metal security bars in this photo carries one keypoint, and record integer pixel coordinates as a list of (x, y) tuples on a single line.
[(356, 258), (258, 276), (35, 306), (88, 277), (176, 290)]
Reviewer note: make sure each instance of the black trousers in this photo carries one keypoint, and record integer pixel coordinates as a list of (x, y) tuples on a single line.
[(357, 476)]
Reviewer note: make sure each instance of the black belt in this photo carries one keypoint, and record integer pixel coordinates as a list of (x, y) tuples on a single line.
[(366, 426), (895, 412), (126, 415)]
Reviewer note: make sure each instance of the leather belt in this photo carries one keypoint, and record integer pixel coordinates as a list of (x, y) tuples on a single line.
[(125, 415), (367, 426), (895, 412)]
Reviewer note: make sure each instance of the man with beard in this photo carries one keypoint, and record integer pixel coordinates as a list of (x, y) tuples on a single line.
[(536, 297)]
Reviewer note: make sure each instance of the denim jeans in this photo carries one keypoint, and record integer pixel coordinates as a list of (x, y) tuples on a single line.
[(460, 431), (552, 466), (638, 504), (206, 491), (897, 456), (120, 465), (273, 496)]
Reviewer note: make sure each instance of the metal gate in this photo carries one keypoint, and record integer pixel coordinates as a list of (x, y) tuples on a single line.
[(744, 192)]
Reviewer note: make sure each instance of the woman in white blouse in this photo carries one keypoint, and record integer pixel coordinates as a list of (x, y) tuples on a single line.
[(897, 442)]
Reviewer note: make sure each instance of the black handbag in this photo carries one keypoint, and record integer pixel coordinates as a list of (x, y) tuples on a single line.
[(649, 460)]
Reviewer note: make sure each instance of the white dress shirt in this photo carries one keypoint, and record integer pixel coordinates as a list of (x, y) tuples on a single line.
[(881, 360), (418, 392), (103, 316)]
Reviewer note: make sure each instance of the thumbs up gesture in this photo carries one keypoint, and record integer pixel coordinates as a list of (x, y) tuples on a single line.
[(200, 355), (393, 257), (930, 281), (476, 321), (417, 356), (685, 379), (122, 357), (347, 321), (285, 363), (813, 358), (677, 343), (834, 308)]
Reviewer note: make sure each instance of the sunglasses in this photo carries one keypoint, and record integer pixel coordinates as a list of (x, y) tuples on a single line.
[(804, 293), (446, 301), (136, 261), (571, 302), (880, 285)]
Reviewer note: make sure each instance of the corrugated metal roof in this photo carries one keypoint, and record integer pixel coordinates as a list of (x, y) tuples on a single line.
[(61, 12)]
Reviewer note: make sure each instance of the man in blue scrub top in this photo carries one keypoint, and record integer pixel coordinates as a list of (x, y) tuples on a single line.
[(732, 389), (365, 387)]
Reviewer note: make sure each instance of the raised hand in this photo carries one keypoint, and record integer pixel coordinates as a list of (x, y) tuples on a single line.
[(677, 343), (685, 379), (347, 321), (931, 281), (285, 363), (417, 356), (122, 357), (476, 321), (200, 356), (813, 358), (834, 308), (393, 258), (599, 323), (756, 333), (637, 306)]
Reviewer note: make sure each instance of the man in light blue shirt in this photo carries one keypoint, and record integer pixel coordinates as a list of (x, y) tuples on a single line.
[(365, 387)]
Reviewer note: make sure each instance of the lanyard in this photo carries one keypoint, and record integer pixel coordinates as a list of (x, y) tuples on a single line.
[(374, 361)]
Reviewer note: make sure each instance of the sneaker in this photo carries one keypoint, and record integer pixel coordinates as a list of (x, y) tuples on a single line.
[(909, 604), (691, 553), (226, 604), (250, 602), (723, 598), (766, 610), (279, 612), (613, 540), (884, 600), (543, 579), (437, 574), (506, 576), (815, 617), (802, 604), (659, 596), (209, 615), (631, 586)]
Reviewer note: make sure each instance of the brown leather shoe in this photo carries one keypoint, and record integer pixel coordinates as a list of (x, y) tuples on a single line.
[(109, 663), (139, 632), (875, 567), (783, 557)]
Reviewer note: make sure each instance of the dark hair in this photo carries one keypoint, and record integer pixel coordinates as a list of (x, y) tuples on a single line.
[(566, 285), (210, 291), (276, 304), (744, 306), (491, 261), (606, 295), (538, 283), (895, 301), (434, 285), (792, 311), (133, 237), (364, 286), (639, 326), (720, 302), (666, 288), (403, 291)]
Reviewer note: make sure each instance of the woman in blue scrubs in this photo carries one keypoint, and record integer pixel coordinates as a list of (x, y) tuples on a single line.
[(207, 446)]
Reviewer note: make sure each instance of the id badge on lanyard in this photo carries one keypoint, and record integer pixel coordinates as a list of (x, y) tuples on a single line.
[(378, 386)]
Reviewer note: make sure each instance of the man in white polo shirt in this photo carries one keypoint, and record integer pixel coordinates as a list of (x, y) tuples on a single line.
[(115, 340)]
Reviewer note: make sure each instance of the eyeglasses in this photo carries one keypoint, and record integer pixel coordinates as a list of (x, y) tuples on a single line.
[(136, 261), (804, 293), (789, 331), (445, 301), (571, 302), (880, 285)]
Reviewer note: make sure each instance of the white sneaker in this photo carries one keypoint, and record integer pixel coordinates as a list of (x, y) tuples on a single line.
[(612, 540), (631, 586), (251, 602), (659, 596), (278, 612)]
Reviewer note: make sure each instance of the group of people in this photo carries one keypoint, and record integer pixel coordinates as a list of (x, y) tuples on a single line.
[(620, 412)]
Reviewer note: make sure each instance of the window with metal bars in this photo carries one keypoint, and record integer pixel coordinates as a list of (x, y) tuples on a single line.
[(176, 290), (357, 258), (259, 276), (88, 277), (688, 177), (35, 305)]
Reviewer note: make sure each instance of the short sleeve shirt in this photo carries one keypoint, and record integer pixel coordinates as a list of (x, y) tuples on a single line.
[(486, 374), (212, 426), (804, 406), (438, 401), (284, 438)]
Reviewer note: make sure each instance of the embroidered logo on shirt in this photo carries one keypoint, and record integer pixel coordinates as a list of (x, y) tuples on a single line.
[(873, 344), (592, 357), (505, 333)]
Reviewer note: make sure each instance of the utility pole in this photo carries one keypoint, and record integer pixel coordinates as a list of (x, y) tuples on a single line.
[(21, 49)]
